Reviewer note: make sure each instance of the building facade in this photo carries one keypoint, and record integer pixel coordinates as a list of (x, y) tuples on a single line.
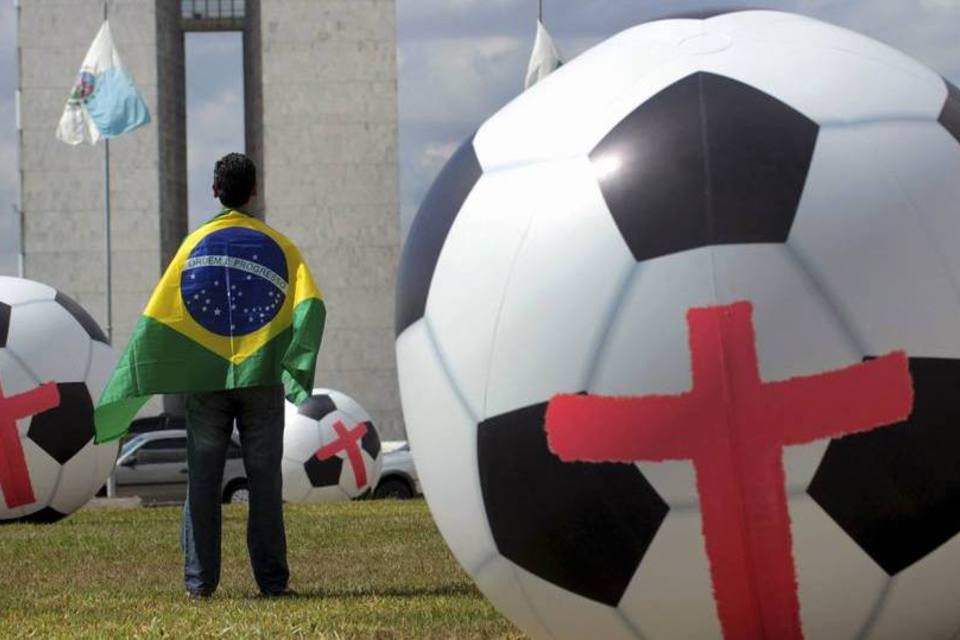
[(321, 122)]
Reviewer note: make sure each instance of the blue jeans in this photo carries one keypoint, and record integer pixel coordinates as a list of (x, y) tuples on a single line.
[(210, 416)]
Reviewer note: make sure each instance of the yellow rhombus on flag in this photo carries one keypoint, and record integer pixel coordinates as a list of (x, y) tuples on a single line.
[(237, 307)]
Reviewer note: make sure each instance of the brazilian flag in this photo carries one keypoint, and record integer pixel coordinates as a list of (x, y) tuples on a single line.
[(237, 307)]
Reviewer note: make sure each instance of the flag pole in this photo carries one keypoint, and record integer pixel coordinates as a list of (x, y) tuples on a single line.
[(112, 479), (106, 221), (106, 224)]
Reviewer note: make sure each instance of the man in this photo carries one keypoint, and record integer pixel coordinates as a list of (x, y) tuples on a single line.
[(235, 321), (258, 412)]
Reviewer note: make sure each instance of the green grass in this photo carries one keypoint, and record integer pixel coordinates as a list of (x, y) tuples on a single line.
[(362, 570)]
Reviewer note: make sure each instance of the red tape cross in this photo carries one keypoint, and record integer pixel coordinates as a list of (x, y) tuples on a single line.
[(733, 427), (347, 440), (14, 474)]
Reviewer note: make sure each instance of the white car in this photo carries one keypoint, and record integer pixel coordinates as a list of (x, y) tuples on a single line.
[(399, 476), (153, 465)]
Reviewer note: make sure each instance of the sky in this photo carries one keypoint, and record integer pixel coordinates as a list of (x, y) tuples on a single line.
[(459, 61), (214, 63)]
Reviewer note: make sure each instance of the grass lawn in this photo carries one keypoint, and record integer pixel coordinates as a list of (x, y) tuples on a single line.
[(362, 569)]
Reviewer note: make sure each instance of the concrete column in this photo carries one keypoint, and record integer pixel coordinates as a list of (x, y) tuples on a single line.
[(329, 94)]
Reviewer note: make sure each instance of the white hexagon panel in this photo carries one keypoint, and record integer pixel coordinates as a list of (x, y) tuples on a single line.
[(54, 363), (678, 346)]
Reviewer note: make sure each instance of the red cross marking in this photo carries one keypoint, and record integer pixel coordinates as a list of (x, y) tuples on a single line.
[(733, 427), (14, 475), (347, 441)]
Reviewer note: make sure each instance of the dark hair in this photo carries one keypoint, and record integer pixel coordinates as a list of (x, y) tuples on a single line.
[(234, 177)]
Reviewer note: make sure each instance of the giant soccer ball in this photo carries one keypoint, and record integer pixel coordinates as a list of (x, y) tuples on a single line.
[(54, 363), (331, 450), (732, 224)]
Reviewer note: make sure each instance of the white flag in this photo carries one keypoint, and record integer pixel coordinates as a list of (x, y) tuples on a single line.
[(104, 101), (544, 59)]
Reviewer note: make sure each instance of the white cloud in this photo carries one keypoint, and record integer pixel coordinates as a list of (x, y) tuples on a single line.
[(924, 29), (215, 127), (437, 153), (458, 79), (214, 113)]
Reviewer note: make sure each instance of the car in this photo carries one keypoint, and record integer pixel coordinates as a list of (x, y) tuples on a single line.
[(153, 466), (398, 479)]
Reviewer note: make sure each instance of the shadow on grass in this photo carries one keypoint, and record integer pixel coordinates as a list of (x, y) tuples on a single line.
[(454, 589)]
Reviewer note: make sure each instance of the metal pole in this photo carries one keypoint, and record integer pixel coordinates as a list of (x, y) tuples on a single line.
[(540, 13), (106, 221), (106, 233), (112, 480)]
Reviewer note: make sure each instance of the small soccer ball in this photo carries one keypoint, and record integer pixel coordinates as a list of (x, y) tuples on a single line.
[(331, 450), (54, 363), (640, 316)]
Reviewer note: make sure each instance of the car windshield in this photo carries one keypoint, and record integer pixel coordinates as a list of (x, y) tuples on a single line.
[(129, 446)]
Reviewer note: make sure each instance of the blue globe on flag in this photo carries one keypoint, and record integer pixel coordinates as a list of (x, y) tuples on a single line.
[(235, 281)]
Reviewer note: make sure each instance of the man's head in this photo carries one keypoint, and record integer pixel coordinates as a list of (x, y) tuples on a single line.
[(234, 180)]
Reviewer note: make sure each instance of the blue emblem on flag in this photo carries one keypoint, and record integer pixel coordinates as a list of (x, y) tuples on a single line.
[(235, 281)]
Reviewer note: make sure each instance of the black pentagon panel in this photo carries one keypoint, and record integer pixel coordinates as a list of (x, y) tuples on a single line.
[(707, 161), (68, 427), (317, 407), (80, 315), (896, 490), (950, 115), (581, 526), (429, 231), (323, 473), (47, 515), (371, 441), (4, 323)]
